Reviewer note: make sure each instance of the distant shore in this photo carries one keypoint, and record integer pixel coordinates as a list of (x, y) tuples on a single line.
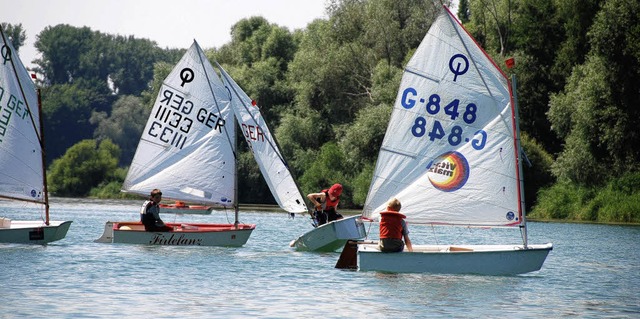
[(346, 212)]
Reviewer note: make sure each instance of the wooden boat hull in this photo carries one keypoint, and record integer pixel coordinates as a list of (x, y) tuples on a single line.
[(187, 210), (455, 259), (331, 236), (34, 232), (183, 235)]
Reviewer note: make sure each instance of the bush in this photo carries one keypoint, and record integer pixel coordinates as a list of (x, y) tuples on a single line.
[(111, 187), (561, 201), (616, 202), (84, 165)]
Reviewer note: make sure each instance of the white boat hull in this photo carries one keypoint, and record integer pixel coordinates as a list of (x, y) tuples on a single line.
[(331, 236), (33, 232), (186, 210), (183, 235), (458, 259)]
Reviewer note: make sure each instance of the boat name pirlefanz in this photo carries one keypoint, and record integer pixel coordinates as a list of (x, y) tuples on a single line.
[(160, 239), (174, 117), (13, 105)]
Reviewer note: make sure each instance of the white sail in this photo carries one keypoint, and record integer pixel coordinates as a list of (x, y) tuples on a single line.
[(449, 152), (186, 146), (264, 148), (21, 172)]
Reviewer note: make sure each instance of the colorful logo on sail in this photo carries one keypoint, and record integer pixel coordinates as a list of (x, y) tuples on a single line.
[(449, 172)]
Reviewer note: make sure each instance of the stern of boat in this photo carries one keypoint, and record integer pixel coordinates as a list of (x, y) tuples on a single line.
[(33, 232), (331, 236), (107, 235)]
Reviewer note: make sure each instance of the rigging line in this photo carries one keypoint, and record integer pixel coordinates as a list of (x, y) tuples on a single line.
[(369, 231), (215, 100), (433, 230), (24, 97)]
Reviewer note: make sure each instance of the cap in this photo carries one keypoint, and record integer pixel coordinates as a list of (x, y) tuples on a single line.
[(335, 190)]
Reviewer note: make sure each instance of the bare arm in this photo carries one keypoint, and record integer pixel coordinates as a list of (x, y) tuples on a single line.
[(313, 198), (407, 242)]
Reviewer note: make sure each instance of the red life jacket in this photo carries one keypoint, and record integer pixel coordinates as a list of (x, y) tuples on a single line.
[(328, 203), (391, 224)]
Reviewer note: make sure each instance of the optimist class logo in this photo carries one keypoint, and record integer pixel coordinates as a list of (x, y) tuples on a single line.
[(449, 171)]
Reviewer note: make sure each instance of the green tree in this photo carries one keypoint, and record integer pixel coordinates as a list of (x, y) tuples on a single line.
[(298, 137), (537, 170), (67, 112), (537, 35), (132, 64), (326, 170), (70, 53), (124, 126), (492, 24), (596, 113), (362, 138), (84, 166), (463, 11), (16, 33), (575, 45), (258, 58), (160, 71), (254, 188)]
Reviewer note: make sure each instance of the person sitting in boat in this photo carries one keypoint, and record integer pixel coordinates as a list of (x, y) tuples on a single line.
[(326, 204), (150, 213), (393, 228)]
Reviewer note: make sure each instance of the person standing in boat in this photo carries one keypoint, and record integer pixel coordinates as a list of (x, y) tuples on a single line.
[(326, 204), (150, 213), (393, 228)]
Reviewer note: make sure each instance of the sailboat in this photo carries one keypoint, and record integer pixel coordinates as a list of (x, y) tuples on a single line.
[(187, 150), (451, 155), (22, 164), (273, 166), (331, 236), (264, 148), (275, 170)]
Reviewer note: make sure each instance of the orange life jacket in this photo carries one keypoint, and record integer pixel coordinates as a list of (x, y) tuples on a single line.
[(391, 224), (328, 203)]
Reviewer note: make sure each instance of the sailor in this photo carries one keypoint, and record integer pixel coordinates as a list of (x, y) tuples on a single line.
[(150, 213), (393, 228), (326, 204)]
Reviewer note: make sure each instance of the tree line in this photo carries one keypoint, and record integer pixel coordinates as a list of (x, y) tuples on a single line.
[(327, 92)]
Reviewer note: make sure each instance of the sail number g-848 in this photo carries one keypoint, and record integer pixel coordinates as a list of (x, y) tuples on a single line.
[(433, 106)]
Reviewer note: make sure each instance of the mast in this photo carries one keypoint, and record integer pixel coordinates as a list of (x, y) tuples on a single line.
[(44, 163), (521, 204), (234, 145)]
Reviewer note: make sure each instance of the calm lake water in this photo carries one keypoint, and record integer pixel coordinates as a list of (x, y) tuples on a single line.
[(592, 272)]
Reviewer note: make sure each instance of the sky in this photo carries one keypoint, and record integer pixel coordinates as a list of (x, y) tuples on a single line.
[(170, 23)]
